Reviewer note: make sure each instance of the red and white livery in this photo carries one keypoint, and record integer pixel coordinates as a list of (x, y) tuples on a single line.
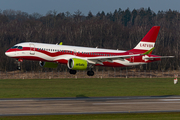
[(82, 58)]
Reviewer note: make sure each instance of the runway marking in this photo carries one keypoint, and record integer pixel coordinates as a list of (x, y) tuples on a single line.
[(170, 99), (134, 103), (15, 100)]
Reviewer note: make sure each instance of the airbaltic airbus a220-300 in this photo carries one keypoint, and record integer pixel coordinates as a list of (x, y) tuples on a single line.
[(82, 58)]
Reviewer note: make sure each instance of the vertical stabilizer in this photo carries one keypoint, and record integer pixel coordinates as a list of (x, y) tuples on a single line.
[(148, 42)]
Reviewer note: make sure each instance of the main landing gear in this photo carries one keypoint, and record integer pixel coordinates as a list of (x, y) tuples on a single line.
[(89, 73), (72, 72)]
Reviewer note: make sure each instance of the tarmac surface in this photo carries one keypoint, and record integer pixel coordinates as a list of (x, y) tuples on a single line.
[(94, 105)]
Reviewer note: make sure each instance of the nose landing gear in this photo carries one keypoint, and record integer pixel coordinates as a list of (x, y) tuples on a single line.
[(19, 64)]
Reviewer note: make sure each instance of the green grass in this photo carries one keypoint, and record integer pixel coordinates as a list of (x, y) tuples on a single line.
[(38, 88), (144, 116)]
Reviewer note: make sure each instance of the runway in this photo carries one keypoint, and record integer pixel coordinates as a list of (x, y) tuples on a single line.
[(94, 105)]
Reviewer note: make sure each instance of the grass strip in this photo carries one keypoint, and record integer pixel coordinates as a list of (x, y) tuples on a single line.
[(87, 87), (137, 116)]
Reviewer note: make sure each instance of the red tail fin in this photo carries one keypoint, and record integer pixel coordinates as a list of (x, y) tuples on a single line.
[(147, 42)]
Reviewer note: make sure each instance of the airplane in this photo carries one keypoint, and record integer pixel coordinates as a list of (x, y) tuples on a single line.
[(82, 58)]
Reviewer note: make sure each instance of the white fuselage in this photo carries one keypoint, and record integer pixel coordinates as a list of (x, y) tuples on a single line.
[(62, 53)]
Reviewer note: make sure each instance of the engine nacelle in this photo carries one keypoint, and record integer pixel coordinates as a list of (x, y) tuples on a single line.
[(77, 64), (48, 64)]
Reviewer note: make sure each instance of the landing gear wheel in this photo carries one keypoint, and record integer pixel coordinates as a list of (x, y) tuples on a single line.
[(18, 65), (72, 71), (90, 73), (18, 68)]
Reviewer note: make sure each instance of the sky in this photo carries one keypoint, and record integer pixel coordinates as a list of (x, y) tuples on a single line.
[(95, 6)]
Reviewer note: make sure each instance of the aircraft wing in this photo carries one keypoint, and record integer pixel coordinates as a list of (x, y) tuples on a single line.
[(100, 60)]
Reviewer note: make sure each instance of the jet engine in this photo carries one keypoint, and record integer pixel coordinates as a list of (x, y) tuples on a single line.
[(77, 64), (48, 64)]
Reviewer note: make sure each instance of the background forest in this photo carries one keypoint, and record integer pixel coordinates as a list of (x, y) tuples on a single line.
[(122, 29)]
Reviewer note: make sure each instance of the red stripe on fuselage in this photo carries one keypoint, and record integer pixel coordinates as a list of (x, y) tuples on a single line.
[(65, 52)]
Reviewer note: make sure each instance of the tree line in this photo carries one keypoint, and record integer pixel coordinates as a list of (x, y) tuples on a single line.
[(122, 29)]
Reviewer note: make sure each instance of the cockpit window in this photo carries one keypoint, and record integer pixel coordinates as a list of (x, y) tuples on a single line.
[(14, 47), (20, 47)]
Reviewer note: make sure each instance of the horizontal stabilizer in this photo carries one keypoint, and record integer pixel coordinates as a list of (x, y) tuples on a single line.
[(152, 58)]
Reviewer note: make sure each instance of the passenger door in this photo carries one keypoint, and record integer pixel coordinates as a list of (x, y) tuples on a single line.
[(32, 49)]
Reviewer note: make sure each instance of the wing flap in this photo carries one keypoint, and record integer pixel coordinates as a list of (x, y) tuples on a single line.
[(113, 57), (100, 60)]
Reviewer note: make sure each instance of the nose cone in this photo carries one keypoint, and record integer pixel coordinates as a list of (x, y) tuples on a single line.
[(7, 53)]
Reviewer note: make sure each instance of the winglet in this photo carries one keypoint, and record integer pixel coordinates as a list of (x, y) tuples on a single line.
[(60, 43), (149, 51)]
